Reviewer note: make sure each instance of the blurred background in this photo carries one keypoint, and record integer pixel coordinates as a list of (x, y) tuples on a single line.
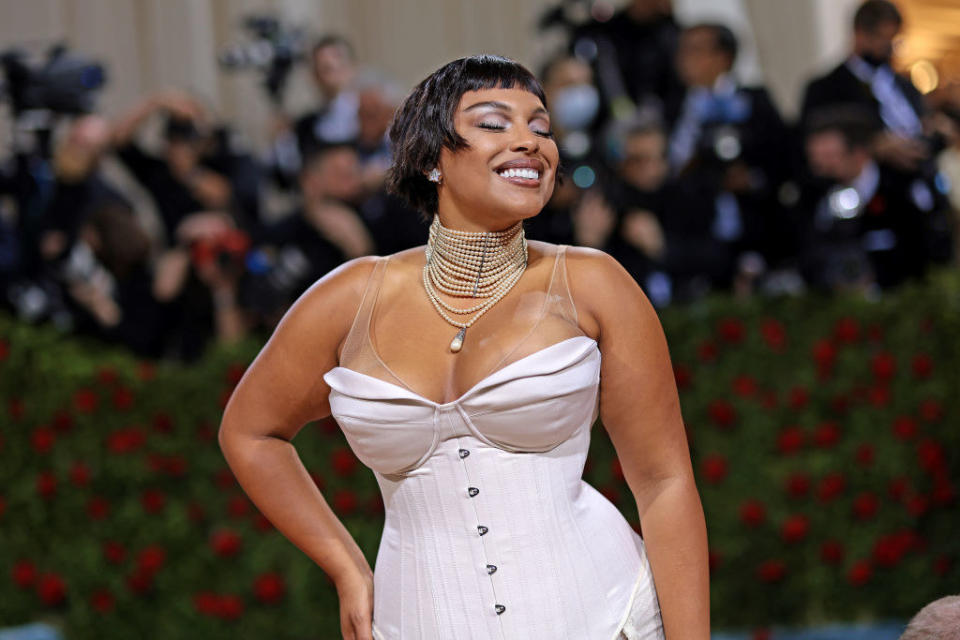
[(781, 178)]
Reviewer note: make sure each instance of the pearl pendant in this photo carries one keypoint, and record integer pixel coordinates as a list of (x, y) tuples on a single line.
[(458, 340)]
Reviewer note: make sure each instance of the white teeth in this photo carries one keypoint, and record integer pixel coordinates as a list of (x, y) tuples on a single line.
[(529, 174)]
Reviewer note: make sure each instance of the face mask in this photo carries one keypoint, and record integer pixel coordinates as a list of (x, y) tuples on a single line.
[(575, 107)]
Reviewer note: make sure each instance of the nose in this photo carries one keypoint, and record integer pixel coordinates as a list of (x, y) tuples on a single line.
[(525, 141)]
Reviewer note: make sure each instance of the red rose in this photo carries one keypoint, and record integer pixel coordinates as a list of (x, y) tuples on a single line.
[(102, 601), (846, 330), (224, 479), (162, 423), (140, 581), (151, 559), (122, 398), (269, 588), (795, 528), (107, 375), (883, 366), (230, 607), (51, 588), (62, 421), (824, 353), (616, 470), (4, 349), (206, 603), (731, 330), (238, 506), (922, 366), (898, 487), (790, 440), (904, 427), (225, 542), (831, 552), (889, 550), (46, 484), (943, 492), (261, 522), (772, 571), (826, 435), (146, 371), (234, 373), (722, 413), (831, 486), (98, 508), (153, 500), (798, 485), (707, 351), (16, 408), (931, 410), (774, 334), (879, 396), (798, 397), (714, 560), (682, 376), (752, 513), (328, 426), (125, 440), (865, 506), (865, 454), (343, 461), (85, 400), (715, 468), (917, 505), (321, 482), (80, 474), (345, 500), (860, 573), (42, 439), (375, 504), (840, 403), (930, 455), (942, 564), (114, 552), (744, 386), (24, 573)]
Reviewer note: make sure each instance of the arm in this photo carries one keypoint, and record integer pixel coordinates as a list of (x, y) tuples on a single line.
[(640, 409), (280, 392)]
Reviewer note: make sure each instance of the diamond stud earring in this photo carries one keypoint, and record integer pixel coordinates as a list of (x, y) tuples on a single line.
[(434, 176)]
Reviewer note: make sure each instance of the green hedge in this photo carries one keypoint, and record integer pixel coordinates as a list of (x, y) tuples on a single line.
[(824, 437)]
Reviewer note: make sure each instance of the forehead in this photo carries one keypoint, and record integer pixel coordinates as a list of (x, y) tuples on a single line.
[(517, 99)]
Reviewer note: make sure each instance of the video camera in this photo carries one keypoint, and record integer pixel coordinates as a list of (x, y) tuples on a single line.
[(65, 83), (274, 50)]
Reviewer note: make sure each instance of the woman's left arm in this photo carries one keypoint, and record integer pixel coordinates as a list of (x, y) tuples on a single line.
[(640, 409)]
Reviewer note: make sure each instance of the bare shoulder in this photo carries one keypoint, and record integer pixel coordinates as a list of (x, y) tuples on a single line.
[(604, 292)]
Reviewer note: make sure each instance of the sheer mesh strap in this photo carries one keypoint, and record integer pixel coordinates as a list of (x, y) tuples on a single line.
[(356, 338)]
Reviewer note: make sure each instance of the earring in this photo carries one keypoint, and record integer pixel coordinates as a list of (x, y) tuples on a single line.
[(434, 176)]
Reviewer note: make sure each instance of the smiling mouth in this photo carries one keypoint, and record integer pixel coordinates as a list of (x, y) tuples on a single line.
[(523, 177)]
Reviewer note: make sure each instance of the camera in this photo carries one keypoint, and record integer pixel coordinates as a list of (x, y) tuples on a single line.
[(274, 50), (65, 83)]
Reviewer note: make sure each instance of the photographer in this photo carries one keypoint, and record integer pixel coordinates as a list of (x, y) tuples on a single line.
[(863, 229), (727, 141), (184, 179)]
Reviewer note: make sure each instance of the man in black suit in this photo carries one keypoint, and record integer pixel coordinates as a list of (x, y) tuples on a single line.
[(866, 79), (726, 142)]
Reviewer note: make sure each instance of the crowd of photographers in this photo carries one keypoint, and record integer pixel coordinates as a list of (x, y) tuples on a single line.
[(692, 181)]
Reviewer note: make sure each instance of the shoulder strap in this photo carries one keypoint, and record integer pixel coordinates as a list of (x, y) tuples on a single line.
[(360, 329), (559, 293)]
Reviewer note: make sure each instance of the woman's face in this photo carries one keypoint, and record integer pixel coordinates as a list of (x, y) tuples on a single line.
[(507, 173)]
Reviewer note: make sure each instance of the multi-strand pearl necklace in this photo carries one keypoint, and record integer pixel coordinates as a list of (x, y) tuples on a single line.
[(484, 264)]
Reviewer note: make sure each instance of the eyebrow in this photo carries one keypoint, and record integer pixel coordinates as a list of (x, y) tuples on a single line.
[(502, 106)]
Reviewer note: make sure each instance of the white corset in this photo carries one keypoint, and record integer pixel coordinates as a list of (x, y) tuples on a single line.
[(490, 532)]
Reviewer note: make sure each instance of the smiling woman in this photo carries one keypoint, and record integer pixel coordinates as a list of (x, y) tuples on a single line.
[(479, 444)]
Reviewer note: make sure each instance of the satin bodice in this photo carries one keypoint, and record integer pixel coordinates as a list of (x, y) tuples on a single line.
[(490, 531)]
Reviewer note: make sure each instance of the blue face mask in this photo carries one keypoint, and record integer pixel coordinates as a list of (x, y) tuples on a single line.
[(575, 107)]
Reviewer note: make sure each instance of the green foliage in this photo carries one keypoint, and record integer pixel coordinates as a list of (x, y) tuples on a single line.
[(820, 431)]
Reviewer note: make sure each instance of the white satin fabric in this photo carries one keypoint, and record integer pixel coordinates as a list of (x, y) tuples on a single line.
[(485, 506)]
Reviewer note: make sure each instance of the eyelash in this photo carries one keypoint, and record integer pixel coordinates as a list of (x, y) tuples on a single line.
[(497, 127)]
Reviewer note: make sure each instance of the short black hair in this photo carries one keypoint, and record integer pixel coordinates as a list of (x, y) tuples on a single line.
[(423, 125), (854, 122), (873, 13), (333, 40), (724, 39)]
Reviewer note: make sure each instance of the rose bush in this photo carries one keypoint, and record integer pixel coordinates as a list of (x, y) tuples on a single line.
[(823, 434)]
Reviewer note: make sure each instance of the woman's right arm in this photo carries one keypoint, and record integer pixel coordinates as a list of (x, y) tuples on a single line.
[(279, 393)]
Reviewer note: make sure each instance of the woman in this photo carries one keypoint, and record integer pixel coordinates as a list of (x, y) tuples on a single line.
[(477, 427)]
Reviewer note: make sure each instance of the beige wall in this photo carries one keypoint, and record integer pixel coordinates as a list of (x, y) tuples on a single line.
[(150, 44)]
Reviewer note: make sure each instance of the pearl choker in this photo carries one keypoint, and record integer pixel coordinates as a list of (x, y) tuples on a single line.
[(484, 264)]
